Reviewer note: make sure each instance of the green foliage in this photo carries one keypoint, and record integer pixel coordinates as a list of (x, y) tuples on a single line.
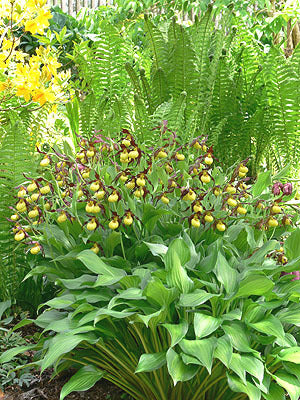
[(153, 297), (9, 340), (210, 79)]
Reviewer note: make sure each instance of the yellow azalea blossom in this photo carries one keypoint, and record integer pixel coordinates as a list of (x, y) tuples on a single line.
[(43, 96), (31, 26), (3, 61), (23, 91)]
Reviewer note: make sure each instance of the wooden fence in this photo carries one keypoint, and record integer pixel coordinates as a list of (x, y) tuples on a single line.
[(74, 6)]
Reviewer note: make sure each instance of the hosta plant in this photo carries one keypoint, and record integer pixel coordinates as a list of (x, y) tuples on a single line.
[(154, 296)]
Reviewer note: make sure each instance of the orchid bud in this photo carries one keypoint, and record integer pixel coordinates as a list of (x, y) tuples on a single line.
[(287, 189), (277, 188)]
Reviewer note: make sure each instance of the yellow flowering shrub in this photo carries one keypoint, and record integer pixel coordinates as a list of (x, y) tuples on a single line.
[(32, 79)]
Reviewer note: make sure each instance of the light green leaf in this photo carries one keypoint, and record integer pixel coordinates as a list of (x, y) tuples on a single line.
[(177, 331), (292, 354), (237, 386), (108, 275), (289, 382), (204, 324), (195, 298), (203, 350), (224, 350), (178, 370), (83, 380), (270, 326), (256, 285), (291, 245), (177, 275), (239, 338), (289, 316), (263, 181), (151, 362), (157, 249), (226, 275), (62, 344), (254, 367), (11, 353), (237, 367), (158, 294), (275, 393)]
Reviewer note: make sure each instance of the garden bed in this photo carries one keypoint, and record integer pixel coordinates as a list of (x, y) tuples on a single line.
[(42, 389)]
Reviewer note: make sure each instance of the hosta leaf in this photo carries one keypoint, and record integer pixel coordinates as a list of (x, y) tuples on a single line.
[(289, 382), (177, 275), (83, 380), (236, 385), (177, 331), (151, 362), (256, 285), (226, 274), (108, 275), (158, 294), (178, 370), (291, 245), (224, 350), (237, 366), (203, 350), (275, 393), (204, 324), (11, 353), (262, 182), (253, 366), (270, 326), (237, 332), (195, 298), (292, 354), (62, 344)]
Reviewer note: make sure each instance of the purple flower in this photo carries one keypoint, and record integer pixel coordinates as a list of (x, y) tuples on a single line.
[(277, 188), (287, 189)]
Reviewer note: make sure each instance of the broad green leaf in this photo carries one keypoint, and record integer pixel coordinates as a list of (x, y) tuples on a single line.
[(291, 245), (226, 275), (270, 326), (292, 354), (158, 294), (49, 316), (176, 273), (82, 282), (224, 350), (237, 332), (60, 302), (236, 385), (11, 353), (289, 316), (62, 344), (108, 275), (157, 249), (275, 393), (289, 382), (263, 181), (203, 350), (177, 331), (256, 285), (178, 370), (237, 366), (83, 380), (253, 366), (204, 324), (259, 255), (4, 305), (195, 298), (151, 215), (151, 362), (182, 250)]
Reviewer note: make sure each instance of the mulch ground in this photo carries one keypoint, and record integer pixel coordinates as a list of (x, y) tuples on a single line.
[(42, 389)]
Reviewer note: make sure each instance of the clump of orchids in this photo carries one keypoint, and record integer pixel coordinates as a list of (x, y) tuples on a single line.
[(109, 183)]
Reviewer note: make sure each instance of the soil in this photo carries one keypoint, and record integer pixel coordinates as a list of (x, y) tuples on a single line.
[(42, 389)]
